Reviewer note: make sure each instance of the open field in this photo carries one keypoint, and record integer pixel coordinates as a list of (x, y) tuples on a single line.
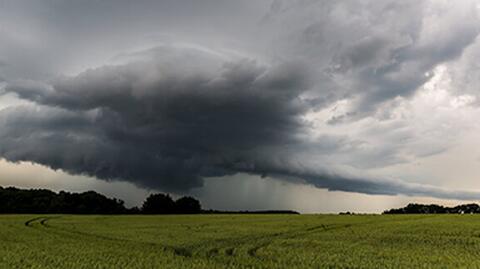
[(240, 241)]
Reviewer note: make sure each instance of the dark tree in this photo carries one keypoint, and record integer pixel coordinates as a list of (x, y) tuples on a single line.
[(188, 205), (13, 200), (159, 204), (435, 209)]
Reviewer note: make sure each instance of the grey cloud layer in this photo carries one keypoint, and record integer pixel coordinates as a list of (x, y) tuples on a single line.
[(230, 96), (168, 127), (371, 51)]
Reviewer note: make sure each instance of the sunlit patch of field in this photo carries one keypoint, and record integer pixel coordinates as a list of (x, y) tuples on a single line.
[(240, 241)]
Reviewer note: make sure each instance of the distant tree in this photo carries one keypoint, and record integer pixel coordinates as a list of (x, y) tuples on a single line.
[(435, 209), (159, 204), (188, 205), (13, 200), (465, 209)]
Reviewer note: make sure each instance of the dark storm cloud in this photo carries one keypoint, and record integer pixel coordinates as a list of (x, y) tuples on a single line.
[(168, 122), (228, 87), (156, 125)]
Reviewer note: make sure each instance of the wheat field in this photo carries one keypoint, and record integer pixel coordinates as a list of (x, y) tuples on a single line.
[(240, 241)]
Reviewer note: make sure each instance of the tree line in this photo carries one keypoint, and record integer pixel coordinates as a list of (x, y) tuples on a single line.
[(41, 201), (435, 209)]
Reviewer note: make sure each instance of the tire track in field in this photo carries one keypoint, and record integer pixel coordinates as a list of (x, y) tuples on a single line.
[(231, 244), (187, 251), (228, 245), (269, 239), (252, 252), (42, 221), (29, 222)]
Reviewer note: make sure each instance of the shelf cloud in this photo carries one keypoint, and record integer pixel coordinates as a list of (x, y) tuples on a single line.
[(315, 92)]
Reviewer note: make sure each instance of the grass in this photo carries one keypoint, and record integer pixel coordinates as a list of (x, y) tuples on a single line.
[(240, 241)]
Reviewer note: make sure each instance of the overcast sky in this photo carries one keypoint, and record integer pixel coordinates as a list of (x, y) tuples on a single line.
[(317, 106)]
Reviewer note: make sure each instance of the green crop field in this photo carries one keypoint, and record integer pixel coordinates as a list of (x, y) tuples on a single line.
[(240, 241)]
